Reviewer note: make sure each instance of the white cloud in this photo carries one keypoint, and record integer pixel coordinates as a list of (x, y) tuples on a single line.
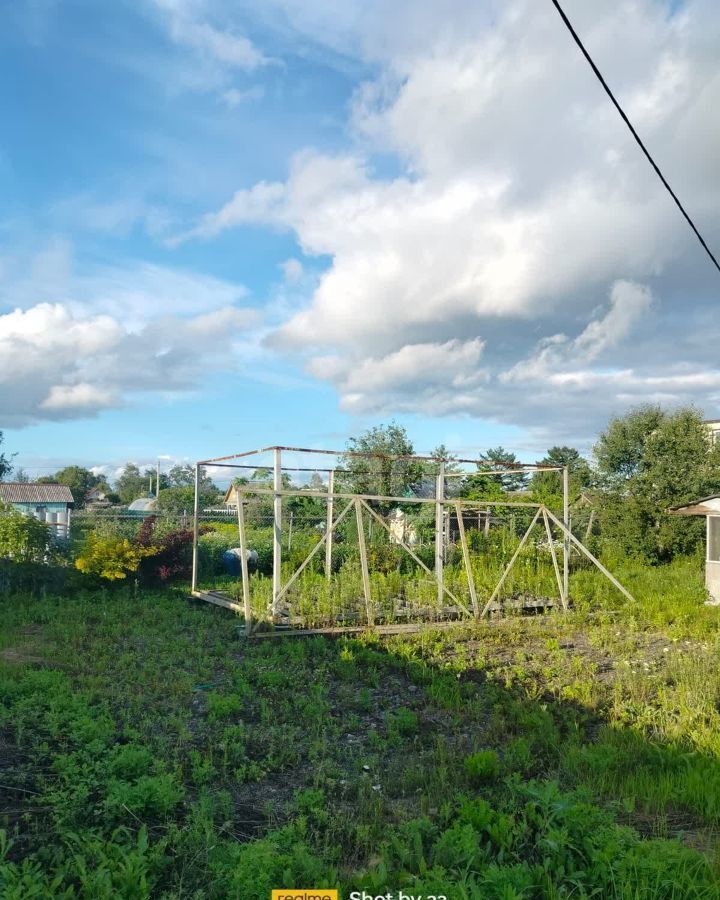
[(292, 270), (430, 377), (629, 302), (77, 342), (188, 26), (521, 201), (132, 291), (82, 397), (234, 96)]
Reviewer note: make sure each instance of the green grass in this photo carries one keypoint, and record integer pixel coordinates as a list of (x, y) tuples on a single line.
[(147, 750)]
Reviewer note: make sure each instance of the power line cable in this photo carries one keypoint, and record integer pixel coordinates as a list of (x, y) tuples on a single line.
[(634, 133)]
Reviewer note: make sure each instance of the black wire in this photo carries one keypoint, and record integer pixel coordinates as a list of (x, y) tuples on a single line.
[(634, 133)]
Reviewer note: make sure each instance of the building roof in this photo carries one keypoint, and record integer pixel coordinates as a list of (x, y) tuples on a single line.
[(707, 506), (230, 499), (28, 492)]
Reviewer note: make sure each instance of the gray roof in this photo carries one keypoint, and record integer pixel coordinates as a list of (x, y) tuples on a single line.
[(27, 492)]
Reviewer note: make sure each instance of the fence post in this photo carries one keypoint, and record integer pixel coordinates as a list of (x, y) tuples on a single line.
[(277, 530), (364, 562), (328, 525), (247, 610), (439, 522), (566, 539), (196, 517)]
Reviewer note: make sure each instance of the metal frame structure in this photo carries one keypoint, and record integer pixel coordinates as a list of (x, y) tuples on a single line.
[(360, 504)]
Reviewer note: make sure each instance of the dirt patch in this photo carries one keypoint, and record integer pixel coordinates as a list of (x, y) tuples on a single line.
[(679, 824), (22, 655)]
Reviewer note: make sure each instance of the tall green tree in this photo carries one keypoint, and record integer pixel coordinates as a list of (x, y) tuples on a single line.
[(79, 479), (547, 487), (381, 474), (486, 486), (181, 497), (442, 454), (131, 484), (151, 477), (181, 475), (650, 460)]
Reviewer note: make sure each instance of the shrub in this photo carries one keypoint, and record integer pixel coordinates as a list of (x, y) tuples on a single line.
[(172, 557), (148, 795), (110, 557), (22, 538), (482, 766)]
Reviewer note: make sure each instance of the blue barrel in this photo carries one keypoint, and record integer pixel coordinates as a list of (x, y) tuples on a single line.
[(231, 561)]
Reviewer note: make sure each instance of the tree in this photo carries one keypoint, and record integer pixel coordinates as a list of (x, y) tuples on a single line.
[(485, 486), (151, 476), (648, 461), (381, 474), (547, 487), (79, 479), (441, 454), (316, 482), (130, 484), (181, 499), (182, 475), (620, 449), (21, 476), (5, 462)]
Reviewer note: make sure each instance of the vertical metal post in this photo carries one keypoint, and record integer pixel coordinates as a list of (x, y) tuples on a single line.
[(328, 525), (566, 538), (277, 530), (196, 528), (247, 611), (707, 541), (364, 561), (439, 497), (466, 559), (553, 555)]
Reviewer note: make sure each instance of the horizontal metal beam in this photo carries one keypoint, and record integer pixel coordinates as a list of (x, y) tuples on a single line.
[(323, 495), (464, 474), (356, 454)]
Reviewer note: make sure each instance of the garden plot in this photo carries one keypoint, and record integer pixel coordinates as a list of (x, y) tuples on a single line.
[(151, 752)]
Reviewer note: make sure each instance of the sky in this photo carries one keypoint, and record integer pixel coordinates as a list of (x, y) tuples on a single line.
[(227, 224)]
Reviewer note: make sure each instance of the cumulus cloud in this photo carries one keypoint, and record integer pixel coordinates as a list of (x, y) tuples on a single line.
[(519, 203), (81, 397), (629, 302), (58, 364), (109, 334), (432, 378)]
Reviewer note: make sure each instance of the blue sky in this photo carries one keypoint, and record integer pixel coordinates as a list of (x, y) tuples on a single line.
[(225, 225)]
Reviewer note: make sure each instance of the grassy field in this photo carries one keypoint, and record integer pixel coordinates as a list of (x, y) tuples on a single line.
[(147, 750)]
